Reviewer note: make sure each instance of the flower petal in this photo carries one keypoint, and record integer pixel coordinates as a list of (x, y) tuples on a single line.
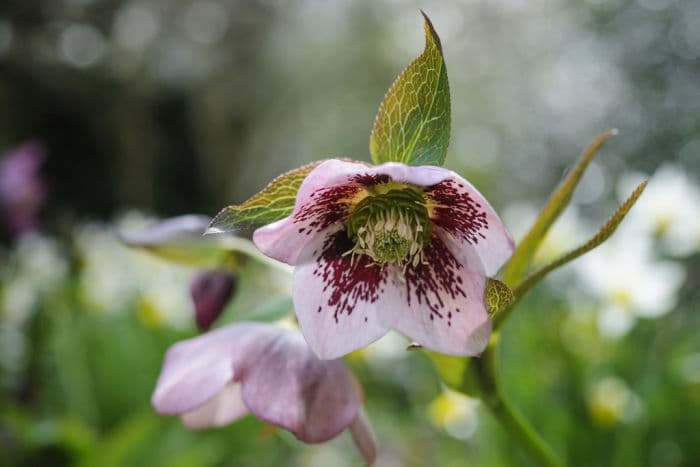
[(196, 370), (322, 201), (444, 309), (364, 437), (288, 386), (343, 303), (220, 410), (478, 237)]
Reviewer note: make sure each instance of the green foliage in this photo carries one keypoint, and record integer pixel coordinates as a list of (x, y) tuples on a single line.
[(413, 122), (559, 199), (603, 234), (274, 202)]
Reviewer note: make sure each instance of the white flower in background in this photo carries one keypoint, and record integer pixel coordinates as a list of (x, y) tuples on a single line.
[(668, 209), (569, 231), (628, 282), (455, 413), (114, 277), (36, 267), (610, 401)]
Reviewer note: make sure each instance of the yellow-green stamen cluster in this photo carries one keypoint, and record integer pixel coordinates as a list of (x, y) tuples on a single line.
[(391, 227)]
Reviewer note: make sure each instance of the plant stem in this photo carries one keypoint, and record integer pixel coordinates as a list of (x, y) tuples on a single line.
[(485, 371)]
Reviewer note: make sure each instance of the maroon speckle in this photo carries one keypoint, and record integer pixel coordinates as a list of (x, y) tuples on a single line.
[(457, 212), (330, 205), (429, 283), (370, 180), (349, 281)]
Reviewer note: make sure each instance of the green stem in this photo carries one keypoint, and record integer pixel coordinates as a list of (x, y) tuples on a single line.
[(485, 370)]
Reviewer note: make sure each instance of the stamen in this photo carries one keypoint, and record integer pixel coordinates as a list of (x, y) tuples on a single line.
[(390, 227)]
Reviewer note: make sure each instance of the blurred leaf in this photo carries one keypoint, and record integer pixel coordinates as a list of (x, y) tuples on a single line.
[(450, 368), (122, 444), (413, 122), (274, 202), (181, 240), (497, 296), (603, 234), (559, 199)]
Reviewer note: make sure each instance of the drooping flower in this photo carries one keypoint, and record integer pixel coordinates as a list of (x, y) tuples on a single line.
[(211, 291), (22, 191), (269, 371), (389, 246)]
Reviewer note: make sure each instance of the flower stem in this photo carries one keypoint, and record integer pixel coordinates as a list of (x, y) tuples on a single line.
[(485, 371)]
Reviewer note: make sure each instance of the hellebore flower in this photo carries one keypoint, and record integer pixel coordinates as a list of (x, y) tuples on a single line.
[(22, 191), (389, 246), (211, 291), (267, 370)]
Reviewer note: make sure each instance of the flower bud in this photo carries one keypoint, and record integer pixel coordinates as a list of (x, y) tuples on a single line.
[(211, 290)]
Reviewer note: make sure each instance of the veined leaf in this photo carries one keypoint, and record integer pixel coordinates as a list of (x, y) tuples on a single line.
[(557, 202), (413, 122), (497, 296), (602, 235), (274, 202)]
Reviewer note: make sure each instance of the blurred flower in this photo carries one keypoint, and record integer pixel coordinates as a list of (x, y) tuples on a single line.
[(211, 291), (611, 401), (628, 282), (455, 413), (34, 269), (36, 266), (22, 191), (114, 277), (216, 378), (668, 210), (389, 246)]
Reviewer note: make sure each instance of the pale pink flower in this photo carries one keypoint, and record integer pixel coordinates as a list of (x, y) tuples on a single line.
[(269, 371), (389, 246)]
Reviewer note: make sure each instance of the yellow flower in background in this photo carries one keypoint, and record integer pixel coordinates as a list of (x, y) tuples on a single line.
[(611, 401), (455, 413)]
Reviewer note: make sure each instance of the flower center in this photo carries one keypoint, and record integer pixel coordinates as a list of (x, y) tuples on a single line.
[(391, 227)]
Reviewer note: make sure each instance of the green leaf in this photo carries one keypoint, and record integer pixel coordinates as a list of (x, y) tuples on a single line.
[(413, 122), (498, 296), (602, 235), (450, 368), (274, 202), (559, 199)]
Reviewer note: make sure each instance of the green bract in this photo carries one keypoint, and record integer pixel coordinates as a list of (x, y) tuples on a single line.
[(413, 122), (274, 202)]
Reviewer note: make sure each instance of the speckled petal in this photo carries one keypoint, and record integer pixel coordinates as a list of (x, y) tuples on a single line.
[(322, 201), (344, 303)]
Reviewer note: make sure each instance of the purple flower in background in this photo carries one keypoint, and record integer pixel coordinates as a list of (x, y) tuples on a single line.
[(211, 290), (269, 371), (22, 191)]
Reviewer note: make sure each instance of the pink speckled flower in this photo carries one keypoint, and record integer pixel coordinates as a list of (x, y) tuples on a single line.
[(269, 371), (389, 246)]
